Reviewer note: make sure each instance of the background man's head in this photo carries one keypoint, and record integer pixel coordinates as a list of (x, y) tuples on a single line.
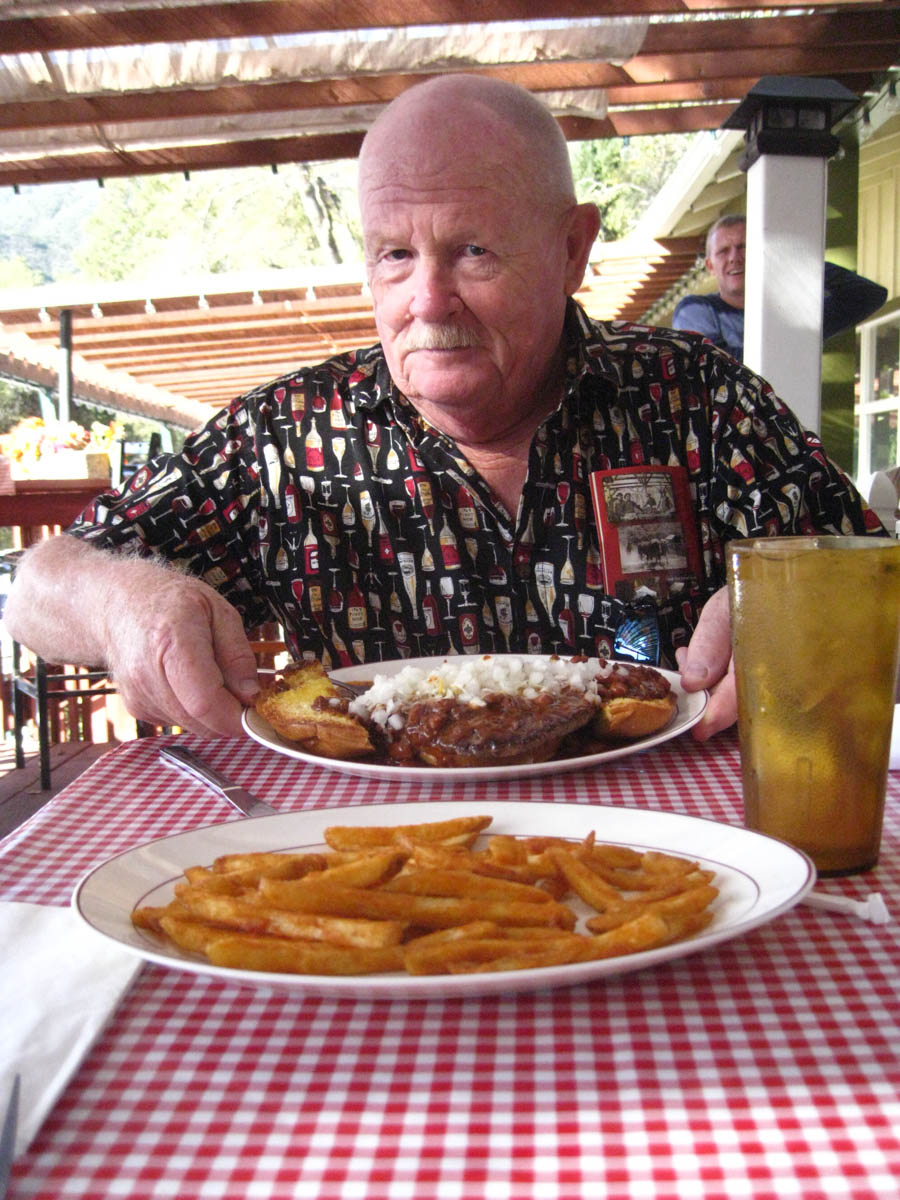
[(725, 257)]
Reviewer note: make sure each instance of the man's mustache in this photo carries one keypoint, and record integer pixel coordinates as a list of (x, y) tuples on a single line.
[(441, 337)]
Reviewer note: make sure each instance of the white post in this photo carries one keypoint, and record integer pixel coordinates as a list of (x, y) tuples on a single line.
[(784, 281)]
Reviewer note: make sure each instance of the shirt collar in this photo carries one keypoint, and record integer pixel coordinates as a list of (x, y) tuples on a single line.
[(586, 354)]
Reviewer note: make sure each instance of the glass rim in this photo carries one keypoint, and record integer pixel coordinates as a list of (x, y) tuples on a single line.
[(814, 541)]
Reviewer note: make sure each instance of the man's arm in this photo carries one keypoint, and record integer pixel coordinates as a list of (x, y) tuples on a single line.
[(176, 649), (849, 299)]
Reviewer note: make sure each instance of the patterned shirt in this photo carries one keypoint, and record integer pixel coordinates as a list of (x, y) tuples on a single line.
[(325, 502)]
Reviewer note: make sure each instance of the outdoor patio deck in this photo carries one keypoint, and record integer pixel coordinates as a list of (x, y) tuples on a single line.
[(20, 789)]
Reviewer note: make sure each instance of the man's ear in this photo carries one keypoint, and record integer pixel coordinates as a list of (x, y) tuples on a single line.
[(583, 227)]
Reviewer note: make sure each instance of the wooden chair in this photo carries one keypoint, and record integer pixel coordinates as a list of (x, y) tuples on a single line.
[(63, 698)]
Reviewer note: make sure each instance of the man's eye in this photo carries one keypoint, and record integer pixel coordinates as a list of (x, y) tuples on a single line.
[(396, 255), (473, 251)]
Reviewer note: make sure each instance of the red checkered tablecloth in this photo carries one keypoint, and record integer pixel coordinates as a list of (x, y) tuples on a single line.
[(764, 1067)]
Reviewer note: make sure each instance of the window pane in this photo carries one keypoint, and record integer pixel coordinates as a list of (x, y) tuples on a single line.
[(887, 361), (883, 446)]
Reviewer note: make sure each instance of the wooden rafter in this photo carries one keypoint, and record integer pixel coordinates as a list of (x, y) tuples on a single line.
[(688, 74)]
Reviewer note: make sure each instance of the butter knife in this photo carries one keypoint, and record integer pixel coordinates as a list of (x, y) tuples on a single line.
[(8, 1137), (244, 801)]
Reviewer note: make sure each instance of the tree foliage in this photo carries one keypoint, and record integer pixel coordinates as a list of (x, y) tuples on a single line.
[(40, 226), (622, 176), (16, 273), (168, 227)]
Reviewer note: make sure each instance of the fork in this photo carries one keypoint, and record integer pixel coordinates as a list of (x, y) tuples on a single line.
[(8, 1137), (351, 687)]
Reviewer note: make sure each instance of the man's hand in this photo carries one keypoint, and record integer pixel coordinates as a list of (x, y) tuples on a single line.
[(176, 649), (181, 657), (706, 662)]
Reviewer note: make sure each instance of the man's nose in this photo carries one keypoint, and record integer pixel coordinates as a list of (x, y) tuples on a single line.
[(434, 296)]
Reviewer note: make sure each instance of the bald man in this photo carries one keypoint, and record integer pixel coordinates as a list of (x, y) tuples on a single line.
[(430, 494)]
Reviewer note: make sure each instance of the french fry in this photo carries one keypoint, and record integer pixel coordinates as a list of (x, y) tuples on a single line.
[(149, 918), (584, 882), (520, 956), (249, 916), (190, 934), (367, 837), (609, 856), (338, 931), (643, 932), (435, 881), (670, 909), (680, 885), (228, 912), (431, 912), (270, 861), (214, 885), (459, 858), (478, 953), (360, 871), (300, 958), (197, 874), (421, 898), (473, 929), (252, 867), (503, 848)]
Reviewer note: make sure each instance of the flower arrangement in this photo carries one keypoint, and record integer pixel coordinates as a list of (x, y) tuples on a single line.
[(46, 449), (34, 438)]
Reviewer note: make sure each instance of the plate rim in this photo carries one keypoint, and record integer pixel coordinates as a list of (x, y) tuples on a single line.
[(399, 986), (694, 704)]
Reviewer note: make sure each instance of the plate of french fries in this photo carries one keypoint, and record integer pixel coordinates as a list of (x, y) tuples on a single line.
[(440, 899)]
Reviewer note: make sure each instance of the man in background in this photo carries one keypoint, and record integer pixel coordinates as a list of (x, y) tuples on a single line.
[(849, 298)]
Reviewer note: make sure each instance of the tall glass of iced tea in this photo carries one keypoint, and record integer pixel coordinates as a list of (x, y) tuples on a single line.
[(816, 628)]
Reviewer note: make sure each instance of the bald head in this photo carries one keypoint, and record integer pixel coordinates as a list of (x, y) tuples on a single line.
[(464, 128)]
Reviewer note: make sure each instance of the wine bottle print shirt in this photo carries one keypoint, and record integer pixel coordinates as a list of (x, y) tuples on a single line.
[(323, 501)]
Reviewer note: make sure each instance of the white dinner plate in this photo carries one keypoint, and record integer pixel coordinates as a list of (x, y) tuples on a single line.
[(690, 709), (758, 878)]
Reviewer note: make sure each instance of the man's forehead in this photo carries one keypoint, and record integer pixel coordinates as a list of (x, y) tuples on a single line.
[(440, 209), (729, 235)]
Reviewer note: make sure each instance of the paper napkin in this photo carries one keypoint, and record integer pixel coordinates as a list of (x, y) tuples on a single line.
[(895, 741), (59, 984)]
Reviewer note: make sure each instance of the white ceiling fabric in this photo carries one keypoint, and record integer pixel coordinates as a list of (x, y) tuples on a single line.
[(160, 66), (54, 8), (582, 102)]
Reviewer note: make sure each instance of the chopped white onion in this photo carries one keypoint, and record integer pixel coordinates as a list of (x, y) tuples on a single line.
[(388, 699)]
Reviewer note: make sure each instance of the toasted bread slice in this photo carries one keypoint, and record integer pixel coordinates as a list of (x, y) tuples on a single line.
[(287, 704), (628, 717)]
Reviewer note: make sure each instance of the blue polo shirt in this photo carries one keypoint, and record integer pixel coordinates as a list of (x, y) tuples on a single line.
[(715, 318)]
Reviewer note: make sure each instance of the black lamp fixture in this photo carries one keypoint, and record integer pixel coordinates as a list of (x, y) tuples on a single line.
[(788, 114)]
